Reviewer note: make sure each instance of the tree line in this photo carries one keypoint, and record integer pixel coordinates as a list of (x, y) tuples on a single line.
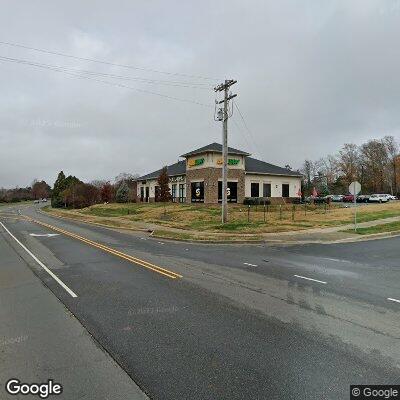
[(375, 164), (71, 192), (37, 190)]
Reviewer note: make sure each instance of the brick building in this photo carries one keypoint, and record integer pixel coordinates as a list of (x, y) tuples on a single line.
[(198, 178)]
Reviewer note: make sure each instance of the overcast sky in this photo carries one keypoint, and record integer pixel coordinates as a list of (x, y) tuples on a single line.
[(311, 76)]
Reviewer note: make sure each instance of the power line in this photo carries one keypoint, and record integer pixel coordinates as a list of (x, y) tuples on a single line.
[(202, 86), (106, 82), (246, 126), (104, 62), (241, 132)]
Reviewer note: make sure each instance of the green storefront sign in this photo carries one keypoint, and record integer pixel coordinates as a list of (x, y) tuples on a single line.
[(195, 163)]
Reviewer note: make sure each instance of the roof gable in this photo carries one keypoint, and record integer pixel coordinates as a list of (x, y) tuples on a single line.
[(214, 148)]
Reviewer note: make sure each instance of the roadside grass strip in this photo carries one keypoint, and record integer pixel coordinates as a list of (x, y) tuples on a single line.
[(134, 260), (382, 228)]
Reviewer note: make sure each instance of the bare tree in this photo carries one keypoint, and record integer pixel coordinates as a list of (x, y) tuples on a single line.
[(374, 163), (349, 162), (392, 149)]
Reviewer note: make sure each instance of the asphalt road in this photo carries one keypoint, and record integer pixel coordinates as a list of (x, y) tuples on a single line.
[(224, 321)]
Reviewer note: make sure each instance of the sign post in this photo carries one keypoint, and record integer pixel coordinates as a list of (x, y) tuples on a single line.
[(355, 189)]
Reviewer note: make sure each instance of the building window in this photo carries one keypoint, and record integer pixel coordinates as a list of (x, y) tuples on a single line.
[(181, 193), (285, 190), (141, 193), (173, 194), (255, 189), (197, 189), (232, 192), (266, 190)]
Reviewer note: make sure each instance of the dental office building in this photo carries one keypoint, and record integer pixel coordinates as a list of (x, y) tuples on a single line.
[(197, 178)]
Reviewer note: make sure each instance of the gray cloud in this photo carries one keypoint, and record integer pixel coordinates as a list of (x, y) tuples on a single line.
[(311, 76)]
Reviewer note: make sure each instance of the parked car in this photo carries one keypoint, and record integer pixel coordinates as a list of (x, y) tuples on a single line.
[(378, 198), (320, 200), (44, 200), (36, 202), (337, 197), (349, 198), (362, 198), (393, 197)]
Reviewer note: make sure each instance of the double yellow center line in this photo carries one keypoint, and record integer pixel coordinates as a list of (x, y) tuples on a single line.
[(138, 261)]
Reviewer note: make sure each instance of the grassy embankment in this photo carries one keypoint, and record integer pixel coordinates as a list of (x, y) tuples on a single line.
[(187, 221), (384, 228)]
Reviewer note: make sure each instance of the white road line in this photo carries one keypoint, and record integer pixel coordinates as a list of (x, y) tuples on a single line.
[(395, 300), (250, 265), (310, 279), (44, 234), (161, 242), (58, 280)]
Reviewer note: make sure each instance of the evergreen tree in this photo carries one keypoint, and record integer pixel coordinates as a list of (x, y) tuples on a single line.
[(59, 187), (122, 195)]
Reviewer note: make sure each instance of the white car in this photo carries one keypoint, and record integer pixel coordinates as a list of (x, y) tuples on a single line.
[(378, 198), (337, 197), (391, 197)]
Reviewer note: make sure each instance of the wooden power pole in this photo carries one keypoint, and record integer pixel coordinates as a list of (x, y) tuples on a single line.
[(224, 113)]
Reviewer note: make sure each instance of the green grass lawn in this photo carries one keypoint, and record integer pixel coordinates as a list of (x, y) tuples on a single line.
[(374, 215), (111, 211), (390, 227), (202, 219)]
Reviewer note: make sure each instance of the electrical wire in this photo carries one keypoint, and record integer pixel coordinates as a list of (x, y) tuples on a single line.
[(241, 132), (113, 76), (55, 69), (246, 126), (104, 62)]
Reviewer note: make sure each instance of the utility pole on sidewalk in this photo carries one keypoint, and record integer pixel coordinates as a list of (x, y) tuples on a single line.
[(223, 115)]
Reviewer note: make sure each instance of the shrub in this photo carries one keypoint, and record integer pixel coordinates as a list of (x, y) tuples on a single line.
[(255, 201)]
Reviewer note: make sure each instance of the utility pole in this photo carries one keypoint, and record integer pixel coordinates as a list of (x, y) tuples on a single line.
[(223, 115)]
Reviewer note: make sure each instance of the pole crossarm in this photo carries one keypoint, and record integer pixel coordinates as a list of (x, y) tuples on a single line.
[(225, 85), (229, 98)]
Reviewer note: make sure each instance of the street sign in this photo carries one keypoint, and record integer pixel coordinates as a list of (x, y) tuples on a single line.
[(355, 188)]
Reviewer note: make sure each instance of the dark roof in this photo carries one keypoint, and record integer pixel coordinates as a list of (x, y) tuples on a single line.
[(252, 166), (178, 168), (262, 167), (216, 148)]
